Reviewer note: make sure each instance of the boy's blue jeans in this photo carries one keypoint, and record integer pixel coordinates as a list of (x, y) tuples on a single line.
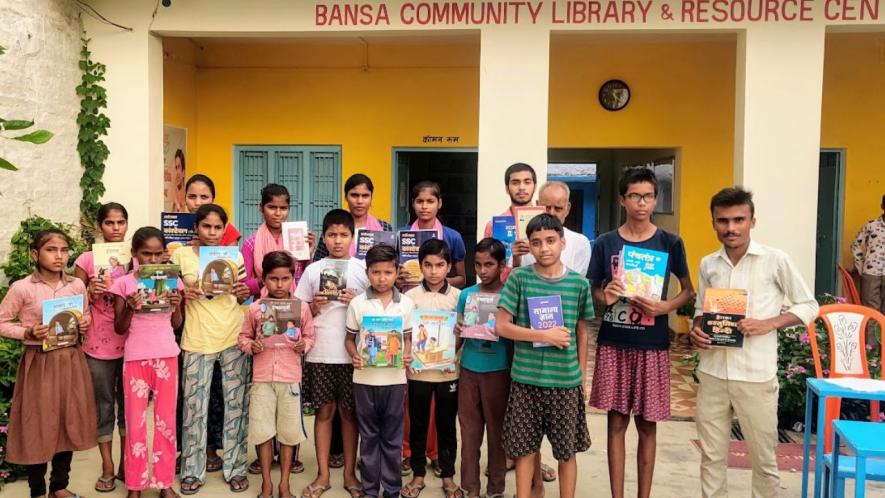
[(379, 412)]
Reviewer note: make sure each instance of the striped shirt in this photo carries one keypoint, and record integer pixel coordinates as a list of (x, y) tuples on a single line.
[(546, 366)]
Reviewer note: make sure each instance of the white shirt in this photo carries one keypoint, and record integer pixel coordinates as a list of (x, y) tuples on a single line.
[(367, 304), (774, 286), (575, 256), (329, 323)]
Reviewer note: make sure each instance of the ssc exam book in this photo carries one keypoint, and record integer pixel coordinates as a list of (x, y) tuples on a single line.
[(178, 228)]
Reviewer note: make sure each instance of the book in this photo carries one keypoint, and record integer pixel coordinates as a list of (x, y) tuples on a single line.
[(367, 239), (155, 284), (504, 229), (295, 239), (179, 229), (409, 242), (433, 344), (381, 341), (545, 313), (723, 309), (280, 322), (478, 321), (642, 271), (333, 278), (218, 269), (110, 260), (62, 315), (523, 215)]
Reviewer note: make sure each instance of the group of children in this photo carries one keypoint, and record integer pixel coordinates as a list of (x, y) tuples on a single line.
[(514, 392)]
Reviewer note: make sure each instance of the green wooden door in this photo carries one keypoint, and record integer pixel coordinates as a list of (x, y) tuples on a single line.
[(829, 221)]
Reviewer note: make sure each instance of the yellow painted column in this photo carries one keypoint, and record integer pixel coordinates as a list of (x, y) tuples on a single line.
[(777, 133), (513, 100)]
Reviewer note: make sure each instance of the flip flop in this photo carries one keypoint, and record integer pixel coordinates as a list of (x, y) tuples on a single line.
[(234, 483), (311, 491), (190, 481), (215, 464), (296, 468), (355, 491), (547, 473), (409, 490), (453, 492), (107, 481)]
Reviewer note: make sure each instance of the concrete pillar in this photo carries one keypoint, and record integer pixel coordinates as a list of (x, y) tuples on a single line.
[(777, 133), (513, 104)]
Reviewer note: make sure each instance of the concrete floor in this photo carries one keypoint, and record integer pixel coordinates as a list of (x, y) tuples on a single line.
[(676, 474)]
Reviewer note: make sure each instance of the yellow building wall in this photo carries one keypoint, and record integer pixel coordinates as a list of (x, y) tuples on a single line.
[(853, 117), (682, 97)]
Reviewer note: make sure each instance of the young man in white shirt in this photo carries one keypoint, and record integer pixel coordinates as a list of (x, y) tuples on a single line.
[(554, 196), (743, 381)]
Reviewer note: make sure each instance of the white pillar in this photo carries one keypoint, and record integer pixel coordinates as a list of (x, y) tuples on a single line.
[(512, 111), (777, 133)]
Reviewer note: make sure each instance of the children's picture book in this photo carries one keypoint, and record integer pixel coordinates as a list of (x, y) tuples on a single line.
[(110, 260), (409, 242), (642, 271), (62, 315), (178, 228), (218, 269), (433, 344), (723, 309), (522, 216), (295, 239), (280, 322), (478, 321), (367, 239), (504, 229), (381, 341), (333, 278), (155, 284), (545, 313)]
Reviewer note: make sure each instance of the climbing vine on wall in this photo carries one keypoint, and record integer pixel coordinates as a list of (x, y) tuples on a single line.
[(93, 151)]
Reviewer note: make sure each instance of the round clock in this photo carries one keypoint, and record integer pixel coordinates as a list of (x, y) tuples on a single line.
[(614, 95)]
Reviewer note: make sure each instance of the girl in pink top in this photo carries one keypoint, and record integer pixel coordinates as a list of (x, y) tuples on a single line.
[(53, 406), (104, 348), (150, 366)]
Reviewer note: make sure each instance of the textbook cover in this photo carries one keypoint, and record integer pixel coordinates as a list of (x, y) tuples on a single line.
[(367, 239), (504, 229), (178, 228), (333, 278), (295, 239), (218, 269), (409, 242), (62, 315), (280, 324), (523, 215), (479, 316), (642, 271), (155, 283), (433, 340), (723, 309), (381, 341), (110, 260), (545, 313)]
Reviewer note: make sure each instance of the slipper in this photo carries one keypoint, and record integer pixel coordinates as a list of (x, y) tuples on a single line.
[(547, 473), (109, 484), (336, 461), (311, 491), (235, 484), (190, 481), (215, 464), (453, 492), (296, 468), (409, 491), (254, 467), (355, 491)]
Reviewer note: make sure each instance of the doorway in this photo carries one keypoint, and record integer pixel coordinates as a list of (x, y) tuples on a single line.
[(455, 171), (829, 220)]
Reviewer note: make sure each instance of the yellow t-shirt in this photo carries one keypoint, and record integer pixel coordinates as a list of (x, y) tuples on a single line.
[(210, 325)]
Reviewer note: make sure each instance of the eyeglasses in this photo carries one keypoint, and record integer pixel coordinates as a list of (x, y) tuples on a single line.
[(634, 197)]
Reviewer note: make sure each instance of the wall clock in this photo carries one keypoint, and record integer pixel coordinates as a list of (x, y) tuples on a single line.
[(614, 95)]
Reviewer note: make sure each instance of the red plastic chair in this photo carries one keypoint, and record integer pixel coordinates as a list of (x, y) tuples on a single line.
[(848, 287), (846, 326)]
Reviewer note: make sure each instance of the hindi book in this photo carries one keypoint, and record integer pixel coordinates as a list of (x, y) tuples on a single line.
[(381, 341), (504, 229), (478, 321), (723, 309), (62, 316), (155, 284), (110, 260), (367, 239), (218, 269), (523, 215), (409, 242), (280, 322), (642, 271), (179, 229), (295, 240), (433, 340), (333, 278), (545, 313)]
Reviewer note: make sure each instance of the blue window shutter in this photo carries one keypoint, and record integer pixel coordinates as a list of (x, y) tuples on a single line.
[(325, 168), (289, 172), (253, 173)]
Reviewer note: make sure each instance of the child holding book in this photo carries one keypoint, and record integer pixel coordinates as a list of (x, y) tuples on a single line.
[(484, 382), (379, 393), (441, 386), (104, 348), (150, 368), (546, 392), (210, 335), (328, 370), (53, 402), (275, 402)]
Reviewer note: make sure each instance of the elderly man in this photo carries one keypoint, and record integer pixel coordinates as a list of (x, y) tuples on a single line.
[(554, 196)]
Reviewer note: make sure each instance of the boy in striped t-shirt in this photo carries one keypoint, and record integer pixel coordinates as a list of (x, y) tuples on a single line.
[(546, 395)]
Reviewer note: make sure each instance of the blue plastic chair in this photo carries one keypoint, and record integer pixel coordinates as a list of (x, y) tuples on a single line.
[(847, 469)]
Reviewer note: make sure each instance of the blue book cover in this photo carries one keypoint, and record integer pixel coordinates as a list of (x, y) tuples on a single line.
[(178, 228), (155, 284), (409, 242), (504, 229), (218, 269), (642, 271), (62, 315), (433, 340), (367, 239), (545, 313), (381, 341)]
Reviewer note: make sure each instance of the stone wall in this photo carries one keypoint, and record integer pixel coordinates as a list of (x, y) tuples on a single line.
[(38, 76)]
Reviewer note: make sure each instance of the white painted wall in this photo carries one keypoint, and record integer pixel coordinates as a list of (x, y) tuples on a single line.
[(38, 77)]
